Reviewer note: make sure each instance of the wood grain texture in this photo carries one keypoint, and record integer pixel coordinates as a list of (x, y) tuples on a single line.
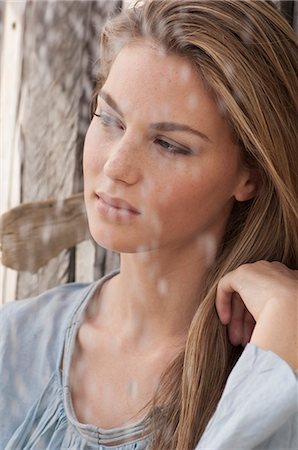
[(61, 48), (34, 233), (61, 45)]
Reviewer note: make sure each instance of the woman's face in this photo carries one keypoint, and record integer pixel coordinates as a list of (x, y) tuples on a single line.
[(160, 167)]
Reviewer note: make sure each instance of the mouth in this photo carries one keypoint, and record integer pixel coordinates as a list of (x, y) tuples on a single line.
[(117, 203)]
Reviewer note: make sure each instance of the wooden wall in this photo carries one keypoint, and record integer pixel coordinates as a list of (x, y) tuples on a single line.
[(49, 77), (61, 49), (11, 35), (59, 53)]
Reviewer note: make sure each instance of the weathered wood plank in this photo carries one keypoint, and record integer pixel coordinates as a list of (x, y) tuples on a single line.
[(61, 45), (99, 11), (11, 36), (33, 233)]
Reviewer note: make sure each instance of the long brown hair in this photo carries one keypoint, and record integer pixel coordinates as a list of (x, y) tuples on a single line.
[(247, 55)]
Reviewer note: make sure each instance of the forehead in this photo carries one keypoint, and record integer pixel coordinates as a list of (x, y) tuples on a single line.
[(143, 78)]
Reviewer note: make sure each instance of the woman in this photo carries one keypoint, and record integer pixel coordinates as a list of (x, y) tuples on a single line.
[(190, 168)]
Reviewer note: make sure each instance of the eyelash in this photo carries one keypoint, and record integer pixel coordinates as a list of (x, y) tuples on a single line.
[(108, 121), (170, 148)]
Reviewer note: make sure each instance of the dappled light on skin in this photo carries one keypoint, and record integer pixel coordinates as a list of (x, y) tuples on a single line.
[(192, 101), (185, 73), (132, 388), (207, 245), (162, 197), (153, 165), (162, 286)]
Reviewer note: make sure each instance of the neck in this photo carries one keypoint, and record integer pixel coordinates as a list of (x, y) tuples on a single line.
[(155, 296)]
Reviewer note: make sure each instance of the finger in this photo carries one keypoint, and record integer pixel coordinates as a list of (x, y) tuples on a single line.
[(236, 325), (223, 301)]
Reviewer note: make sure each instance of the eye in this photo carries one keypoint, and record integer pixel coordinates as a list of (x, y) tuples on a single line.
[(172, 148), (109, 121)]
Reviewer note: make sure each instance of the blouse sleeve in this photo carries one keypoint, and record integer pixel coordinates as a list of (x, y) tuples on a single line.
[(32, 333), (258, 408)]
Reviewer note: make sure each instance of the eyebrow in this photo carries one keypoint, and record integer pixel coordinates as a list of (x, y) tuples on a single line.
[(163, 126)]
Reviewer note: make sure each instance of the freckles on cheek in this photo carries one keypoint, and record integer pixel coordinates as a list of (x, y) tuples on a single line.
[(91, 159), (167, 195), (179, 190), (92, 149)]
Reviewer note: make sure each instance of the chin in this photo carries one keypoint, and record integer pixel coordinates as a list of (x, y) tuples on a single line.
[(116, 241), (114, 232)]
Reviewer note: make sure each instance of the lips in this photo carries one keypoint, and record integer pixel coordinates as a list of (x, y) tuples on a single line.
[(117, 203)]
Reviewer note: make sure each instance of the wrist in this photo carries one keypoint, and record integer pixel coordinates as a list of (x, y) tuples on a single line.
[(276, 330)]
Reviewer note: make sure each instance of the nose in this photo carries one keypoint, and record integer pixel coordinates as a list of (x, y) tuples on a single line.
[(123, 162)]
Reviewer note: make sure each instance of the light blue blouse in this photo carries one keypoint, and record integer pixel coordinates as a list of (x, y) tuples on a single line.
[(258, 409)]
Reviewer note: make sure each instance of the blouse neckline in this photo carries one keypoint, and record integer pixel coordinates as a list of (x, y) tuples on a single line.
[(138, 430)]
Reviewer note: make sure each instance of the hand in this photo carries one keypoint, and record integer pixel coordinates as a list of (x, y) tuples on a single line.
[(258, 302)]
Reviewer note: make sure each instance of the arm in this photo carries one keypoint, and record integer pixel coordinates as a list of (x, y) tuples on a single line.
[(259, 304), (259, 405), (258, 408)]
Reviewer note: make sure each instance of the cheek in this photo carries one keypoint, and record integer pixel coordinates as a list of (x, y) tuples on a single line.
[(169, 198), (195, 197), (92, 155), (180, 189)]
